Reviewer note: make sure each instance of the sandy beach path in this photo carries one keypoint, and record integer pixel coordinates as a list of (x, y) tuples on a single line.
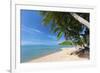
[(63, 55)]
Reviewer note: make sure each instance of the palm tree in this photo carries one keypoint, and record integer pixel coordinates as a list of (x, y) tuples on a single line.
[(69, 24)]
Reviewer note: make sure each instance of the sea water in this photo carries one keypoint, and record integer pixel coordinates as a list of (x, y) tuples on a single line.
[(30, 52)]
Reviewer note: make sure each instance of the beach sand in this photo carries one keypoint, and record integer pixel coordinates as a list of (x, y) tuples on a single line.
[(63, 55)]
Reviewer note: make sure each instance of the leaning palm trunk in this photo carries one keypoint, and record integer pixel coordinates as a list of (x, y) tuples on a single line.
[(80, 19)]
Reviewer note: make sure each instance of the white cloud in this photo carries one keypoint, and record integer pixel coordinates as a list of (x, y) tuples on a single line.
[(30, 30), (37, 30)]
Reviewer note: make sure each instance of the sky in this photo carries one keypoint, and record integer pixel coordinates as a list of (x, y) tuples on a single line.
[(34, 32)]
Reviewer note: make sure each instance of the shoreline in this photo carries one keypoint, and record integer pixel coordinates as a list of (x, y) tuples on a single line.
[(63, 55)]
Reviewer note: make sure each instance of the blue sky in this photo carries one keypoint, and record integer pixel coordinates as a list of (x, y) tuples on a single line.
[(34, 32)]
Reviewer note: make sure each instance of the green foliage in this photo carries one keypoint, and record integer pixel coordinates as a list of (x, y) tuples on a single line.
[(59, 35), (48, 18), (66, 43), (63, 23)]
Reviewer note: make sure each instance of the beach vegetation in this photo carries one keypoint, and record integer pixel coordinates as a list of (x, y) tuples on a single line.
[(74, 26), (68, 43)]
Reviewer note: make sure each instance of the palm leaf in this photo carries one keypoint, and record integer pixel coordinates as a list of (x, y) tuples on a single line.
[(59, 35), (56, 30), (47, 18)]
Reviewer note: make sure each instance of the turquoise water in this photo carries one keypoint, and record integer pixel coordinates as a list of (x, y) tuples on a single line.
[(29, 52)]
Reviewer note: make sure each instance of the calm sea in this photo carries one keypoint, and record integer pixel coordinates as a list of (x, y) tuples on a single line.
[(29, 52)]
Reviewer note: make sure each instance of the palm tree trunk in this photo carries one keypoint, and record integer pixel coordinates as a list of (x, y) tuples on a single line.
[(80, 19)]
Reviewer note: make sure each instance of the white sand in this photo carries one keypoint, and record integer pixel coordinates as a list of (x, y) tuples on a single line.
[(63, 55)]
